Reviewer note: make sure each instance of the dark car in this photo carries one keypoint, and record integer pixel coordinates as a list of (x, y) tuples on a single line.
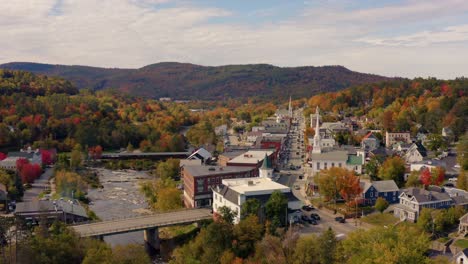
[(340, 219), (315, 216), (308, 208)]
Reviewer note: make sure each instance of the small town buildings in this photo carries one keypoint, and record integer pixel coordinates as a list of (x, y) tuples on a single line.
[(272, 142), (416, 153), (412, 200), (65, 211), (322, 158), (198, 181), (370, 142), (385, 189), (233, 193), (392, 138), (226, 156)]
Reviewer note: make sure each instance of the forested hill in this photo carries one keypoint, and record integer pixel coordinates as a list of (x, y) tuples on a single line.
[(189, 81)]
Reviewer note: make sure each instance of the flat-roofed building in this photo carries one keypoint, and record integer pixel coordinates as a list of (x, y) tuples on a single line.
[(253, 158), (233, 193), (198, 181)]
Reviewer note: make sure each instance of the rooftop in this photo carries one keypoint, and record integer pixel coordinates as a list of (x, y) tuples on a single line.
[(334, 155), (252, 156), (202, 170), (247, 185)]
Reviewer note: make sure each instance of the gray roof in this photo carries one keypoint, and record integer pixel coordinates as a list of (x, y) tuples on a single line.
[(202, 170), (233, 196), (38, 206), (385, 186), (234, 153), (337, 155), (424, 196)]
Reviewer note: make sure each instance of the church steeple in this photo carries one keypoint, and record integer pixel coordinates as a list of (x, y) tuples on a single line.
[(290, 108), (317, 142), (266, 171)]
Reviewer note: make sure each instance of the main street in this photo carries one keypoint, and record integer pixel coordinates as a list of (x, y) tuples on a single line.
[(293, 175)]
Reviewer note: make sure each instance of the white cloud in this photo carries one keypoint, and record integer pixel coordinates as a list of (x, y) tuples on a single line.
[(134, 33)]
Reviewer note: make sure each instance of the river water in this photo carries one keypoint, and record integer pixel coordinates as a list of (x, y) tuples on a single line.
[(120, 198)]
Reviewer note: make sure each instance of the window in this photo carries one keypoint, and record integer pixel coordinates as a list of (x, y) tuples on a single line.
[(216, 196), (318, 166), (385, 194), (371, 194), (333, 164), (339, 164), (325, 165)]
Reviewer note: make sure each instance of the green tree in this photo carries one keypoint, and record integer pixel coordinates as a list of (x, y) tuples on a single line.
[(307, 250), (226, 214), (425, 221), (436, 142), (328, 246), (130, 254), (381, 204), (413, 180), (372, 167), (400, 244), (168, 169), (250, 207), (462, 181), (277, 206), (462, 154), (97, 252), (246, 234), (393, 169), (76, 156)]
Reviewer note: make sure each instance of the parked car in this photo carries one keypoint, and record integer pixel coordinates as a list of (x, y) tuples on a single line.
[(308, 208), (315, 216), (340, 219), (313, 221)]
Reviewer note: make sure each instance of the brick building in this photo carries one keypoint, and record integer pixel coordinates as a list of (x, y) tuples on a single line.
[(198, 181)]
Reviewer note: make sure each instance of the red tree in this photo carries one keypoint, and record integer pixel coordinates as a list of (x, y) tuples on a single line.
[(46, 157), (426, 177), (2, 156), (438, 176)]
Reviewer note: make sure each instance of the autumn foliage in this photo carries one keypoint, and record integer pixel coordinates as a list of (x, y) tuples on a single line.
[(435, 176), (2, 156), (28, 172)]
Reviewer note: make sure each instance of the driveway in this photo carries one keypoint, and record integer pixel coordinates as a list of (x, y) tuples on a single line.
[(38, 186)]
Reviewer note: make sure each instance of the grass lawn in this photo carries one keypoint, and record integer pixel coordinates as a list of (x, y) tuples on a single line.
[(380, 219), (462, 243)]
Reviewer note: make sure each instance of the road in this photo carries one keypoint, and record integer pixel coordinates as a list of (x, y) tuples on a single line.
[(39, 185), (295, 179)]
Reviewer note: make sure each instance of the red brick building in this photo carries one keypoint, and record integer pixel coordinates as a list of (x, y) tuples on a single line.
[(198, 181)]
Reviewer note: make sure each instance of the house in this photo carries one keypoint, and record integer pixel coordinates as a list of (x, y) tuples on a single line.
[(198, 181), (392, 138), (370, 142), (447, 132), (385, 189), (463, 226), (412, 200), (65, 211), (233, 193), (200, 154), (461, 257), (416, 153)]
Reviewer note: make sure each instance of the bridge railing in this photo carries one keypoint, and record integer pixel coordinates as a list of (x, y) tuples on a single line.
[(136, 216), (142, 227)]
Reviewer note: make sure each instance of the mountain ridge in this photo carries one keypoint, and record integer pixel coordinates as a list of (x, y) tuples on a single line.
[(192, 81)]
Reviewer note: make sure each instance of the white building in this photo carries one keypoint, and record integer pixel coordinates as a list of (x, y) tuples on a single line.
[(322, 158), (233, 193)]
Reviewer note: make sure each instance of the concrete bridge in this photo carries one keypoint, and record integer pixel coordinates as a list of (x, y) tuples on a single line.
[(146, 155), (149, 224)]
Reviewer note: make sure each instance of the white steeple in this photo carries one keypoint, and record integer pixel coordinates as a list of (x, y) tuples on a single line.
[(317, 148), (290, 108), (266, 171)]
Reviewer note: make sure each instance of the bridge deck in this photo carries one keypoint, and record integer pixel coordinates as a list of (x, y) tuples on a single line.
[(142, 222)]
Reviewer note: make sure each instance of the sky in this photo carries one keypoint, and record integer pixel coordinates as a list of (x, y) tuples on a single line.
[(407, 38)]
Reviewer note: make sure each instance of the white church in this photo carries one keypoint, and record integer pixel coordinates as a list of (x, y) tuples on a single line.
[(326, 155)]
